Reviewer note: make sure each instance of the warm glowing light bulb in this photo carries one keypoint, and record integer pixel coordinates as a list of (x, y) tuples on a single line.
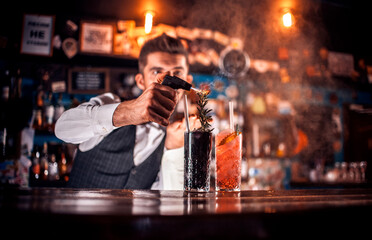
[(148, 21), (287, 19)]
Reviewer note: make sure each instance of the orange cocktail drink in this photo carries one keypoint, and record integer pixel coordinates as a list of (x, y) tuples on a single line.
[(228, 160)]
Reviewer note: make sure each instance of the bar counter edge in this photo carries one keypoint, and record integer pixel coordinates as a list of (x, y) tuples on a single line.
[(60, 213)]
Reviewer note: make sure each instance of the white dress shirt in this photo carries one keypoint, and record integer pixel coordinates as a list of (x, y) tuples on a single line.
[(90, 122)]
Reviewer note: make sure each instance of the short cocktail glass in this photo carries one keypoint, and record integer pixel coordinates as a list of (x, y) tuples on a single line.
[(228, 160), (198, 146)]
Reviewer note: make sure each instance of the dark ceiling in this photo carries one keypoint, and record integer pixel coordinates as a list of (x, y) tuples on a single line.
[(340, 25)]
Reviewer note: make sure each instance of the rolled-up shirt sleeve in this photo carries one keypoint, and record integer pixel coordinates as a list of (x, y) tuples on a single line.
[(86, 121)]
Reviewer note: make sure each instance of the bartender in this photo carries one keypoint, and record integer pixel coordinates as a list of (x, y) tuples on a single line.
[(132, 144)]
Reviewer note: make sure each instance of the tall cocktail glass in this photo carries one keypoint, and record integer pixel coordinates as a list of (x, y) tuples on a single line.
[(228, 160), (198, 146)]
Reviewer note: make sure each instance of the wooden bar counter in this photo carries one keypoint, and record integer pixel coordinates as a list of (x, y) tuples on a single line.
[(63, 213)]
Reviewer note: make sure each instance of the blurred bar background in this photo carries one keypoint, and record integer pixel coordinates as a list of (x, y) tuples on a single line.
[(299, 73)]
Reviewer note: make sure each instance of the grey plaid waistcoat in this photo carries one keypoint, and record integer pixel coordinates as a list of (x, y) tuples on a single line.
[(110, 164)]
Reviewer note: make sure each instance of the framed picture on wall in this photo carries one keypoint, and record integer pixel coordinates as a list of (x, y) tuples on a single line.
[(340, 64), (96, 37), (88, 80), (37, 34)]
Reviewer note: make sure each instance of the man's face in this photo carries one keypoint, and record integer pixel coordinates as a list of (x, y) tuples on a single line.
[(161, 62)]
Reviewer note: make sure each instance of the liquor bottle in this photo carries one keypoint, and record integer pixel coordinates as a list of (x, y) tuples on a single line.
[(35, 168), (49, 113), (23, 165), (63, 168), (38, 111), (266, 150), (2, 142), (59, 108), (38, 119), (53, 174), (281, 151), (11, 122), (5, 88), (15, 91), (18, 79), (40, 99), (44, 160)]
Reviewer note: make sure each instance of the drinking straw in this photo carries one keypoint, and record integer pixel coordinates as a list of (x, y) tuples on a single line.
[(231, 111), (255, 133), (186, 110)]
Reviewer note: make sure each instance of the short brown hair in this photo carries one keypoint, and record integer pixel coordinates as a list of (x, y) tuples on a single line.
[(162, 43)]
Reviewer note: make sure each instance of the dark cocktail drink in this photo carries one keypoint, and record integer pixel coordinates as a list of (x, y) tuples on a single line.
[(198, 146)]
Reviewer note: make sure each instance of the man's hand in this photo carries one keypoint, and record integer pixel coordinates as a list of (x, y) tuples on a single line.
[(176, 130), (155, 104)]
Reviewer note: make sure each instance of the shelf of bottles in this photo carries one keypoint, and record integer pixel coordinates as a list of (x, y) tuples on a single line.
[(49, 166), (31, 154), (10, 123), (51, 157)]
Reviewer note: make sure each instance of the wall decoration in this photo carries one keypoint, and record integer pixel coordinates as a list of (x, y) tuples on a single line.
[(340, 64), (37, 34), (88, 80), (234, 62), (124, 44), (70, 47), (96, 37)]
